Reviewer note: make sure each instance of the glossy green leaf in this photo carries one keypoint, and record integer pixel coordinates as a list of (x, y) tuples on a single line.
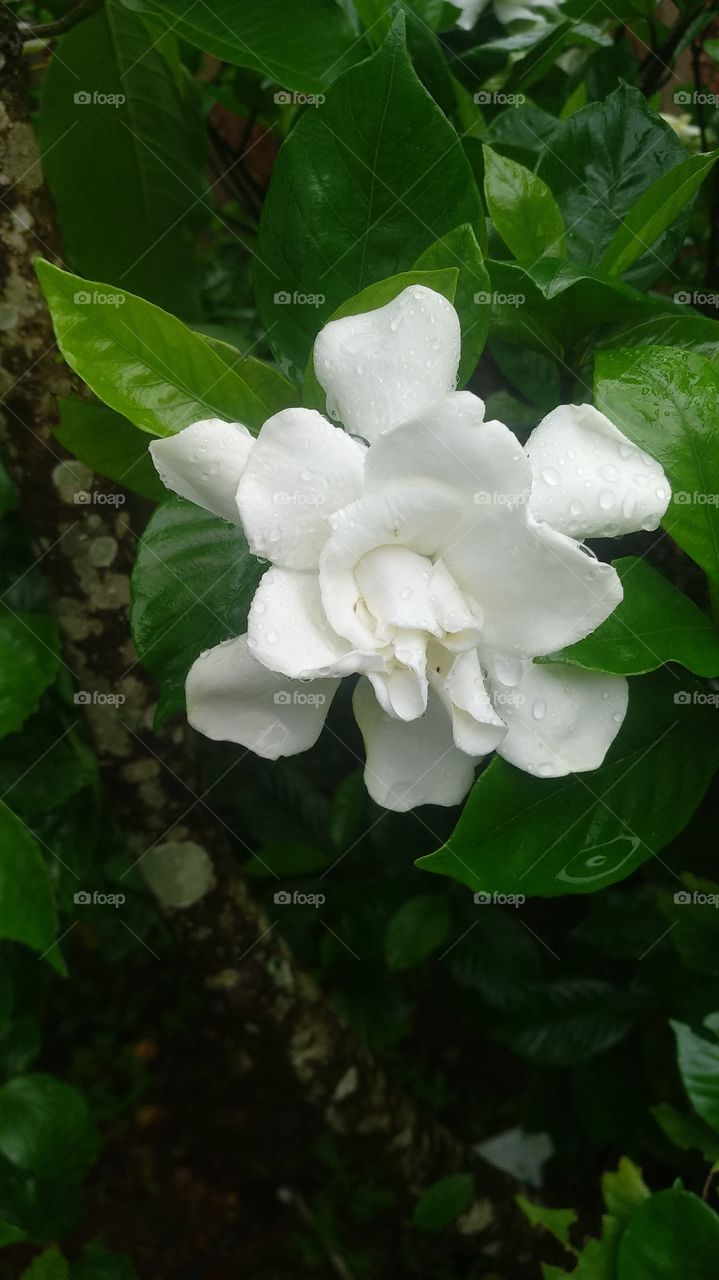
[(598, 163), (497, 959), (670, 1230), (549, 837), (667, 402), (299, 46), (192, 585), (380, 139), (698, 1061), (565, 1022), (150, 367), (110, 445), (687, 1132), (29, 662), (27, 907), (624, 1190), (416, 929), (460, 248), (120, 121), (443, 281), (694, 911), (655, 211), (654, 624), (522, 208), (443, 1202)]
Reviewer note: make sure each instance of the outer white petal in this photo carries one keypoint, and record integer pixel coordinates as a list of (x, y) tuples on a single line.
[(232, 698), (476, 727), (560, 719), (204, 463), (471, 10), (288, 632), (410, 763), (450, 442), (414, 515), (589, 480), (301, 470), (539, 589), (379, 367)]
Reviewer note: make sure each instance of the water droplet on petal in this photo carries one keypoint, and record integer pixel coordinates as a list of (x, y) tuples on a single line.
[(539, 710), (609, 472), (606, 499), (550, 476)]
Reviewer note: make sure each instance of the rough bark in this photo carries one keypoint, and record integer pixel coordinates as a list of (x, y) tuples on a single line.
[(255, 989)]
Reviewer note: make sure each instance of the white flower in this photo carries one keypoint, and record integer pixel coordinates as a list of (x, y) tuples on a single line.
[(683, 127), (424, 549)]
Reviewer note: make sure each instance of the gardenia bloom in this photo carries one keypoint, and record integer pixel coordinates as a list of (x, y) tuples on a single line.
[(506, 11), (423, 548)]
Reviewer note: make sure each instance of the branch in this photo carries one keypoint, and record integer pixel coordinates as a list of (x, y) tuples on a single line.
[(249, 973)]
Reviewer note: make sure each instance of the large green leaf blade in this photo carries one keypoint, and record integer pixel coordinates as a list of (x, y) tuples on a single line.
[(522, 208), (460, 248), (698, 1060), (655, 211), (29, 661), (359, 190), (27, 906), (137, 162), (150, 367), (667, 401), (671, 1234), (578, 834), (110, 445)]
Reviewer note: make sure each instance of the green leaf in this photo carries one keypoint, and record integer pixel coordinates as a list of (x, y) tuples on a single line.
[(29, 662), (149, 366), (655, 211), (522, 208), (624, 1191), (698, 1060), (47, 1144), (667, 402), (695, 932), (416, 929), (654, 624), (108, 443), (565, 1022), (97, 1263), (598, 163), (522, 834), (460, 249), (380, 137), (192, 585), (443, 281), (669, 1230), (138, 160), (27, 907), (558, 1222), (49, 1265), (443, 1202), (300, 46), (498, 957), (687, 1132)]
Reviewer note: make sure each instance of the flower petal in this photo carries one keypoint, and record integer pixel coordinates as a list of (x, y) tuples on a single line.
[(394, 584), (458, 680), (539, 589), (589, 480), (288, 631), (233, 698), (560, 719), (413, 515), (402, 691), (410, 763), (204, 463), (379, 367), (301, 470)]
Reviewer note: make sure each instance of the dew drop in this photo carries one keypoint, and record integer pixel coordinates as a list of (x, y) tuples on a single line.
[(576, 508), (609, 472), (606, 499), (550, 476), (272, 637), (539, 710), (628, 506)]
